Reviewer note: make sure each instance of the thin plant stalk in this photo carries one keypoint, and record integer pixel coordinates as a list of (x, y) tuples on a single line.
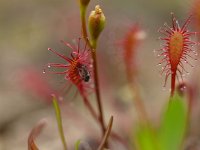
[(97, 90), (96, 80), (99, 118), (83, 25), (107, 133), (90, 108), (59, 122), (95, 116)]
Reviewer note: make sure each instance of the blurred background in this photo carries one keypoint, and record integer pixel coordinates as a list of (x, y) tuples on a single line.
[(29, 27)]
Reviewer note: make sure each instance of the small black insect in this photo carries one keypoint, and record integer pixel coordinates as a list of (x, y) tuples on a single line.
[(83, 72)]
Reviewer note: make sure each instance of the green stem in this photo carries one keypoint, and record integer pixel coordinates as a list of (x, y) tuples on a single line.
[(59, 122), (83, 24)]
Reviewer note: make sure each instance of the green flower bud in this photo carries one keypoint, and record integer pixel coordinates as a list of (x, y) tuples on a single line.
[(96, 23)]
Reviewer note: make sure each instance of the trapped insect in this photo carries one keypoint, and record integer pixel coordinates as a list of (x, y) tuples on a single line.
[(83, 72)]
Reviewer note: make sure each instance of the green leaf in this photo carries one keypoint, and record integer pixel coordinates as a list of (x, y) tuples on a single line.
[(59, 122), (173, 125), (77, 144), (145, 138)]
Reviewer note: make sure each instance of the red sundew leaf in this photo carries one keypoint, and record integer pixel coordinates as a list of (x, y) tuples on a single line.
[(33, 81), (131, 41), (177, 48), (77, 66), (129, 44), (34, 133)]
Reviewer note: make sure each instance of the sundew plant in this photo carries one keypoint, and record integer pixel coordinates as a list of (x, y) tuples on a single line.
[(79, 65)]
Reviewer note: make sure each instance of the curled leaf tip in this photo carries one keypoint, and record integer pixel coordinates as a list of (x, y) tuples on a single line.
[(107, 133), (34, 133)]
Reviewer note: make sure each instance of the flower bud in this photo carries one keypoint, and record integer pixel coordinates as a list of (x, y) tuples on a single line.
[(96, 23)]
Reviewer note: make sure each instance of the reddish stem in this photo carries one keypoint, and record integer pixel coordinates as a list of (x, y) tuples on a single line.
[(173, 81), (89, 106), (96, 80), (95, 116)]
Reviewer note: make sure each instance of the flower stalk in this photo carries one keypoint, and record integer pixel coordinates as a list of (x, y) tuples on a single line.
[(92, 46), (83, 24), (97, 91)]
